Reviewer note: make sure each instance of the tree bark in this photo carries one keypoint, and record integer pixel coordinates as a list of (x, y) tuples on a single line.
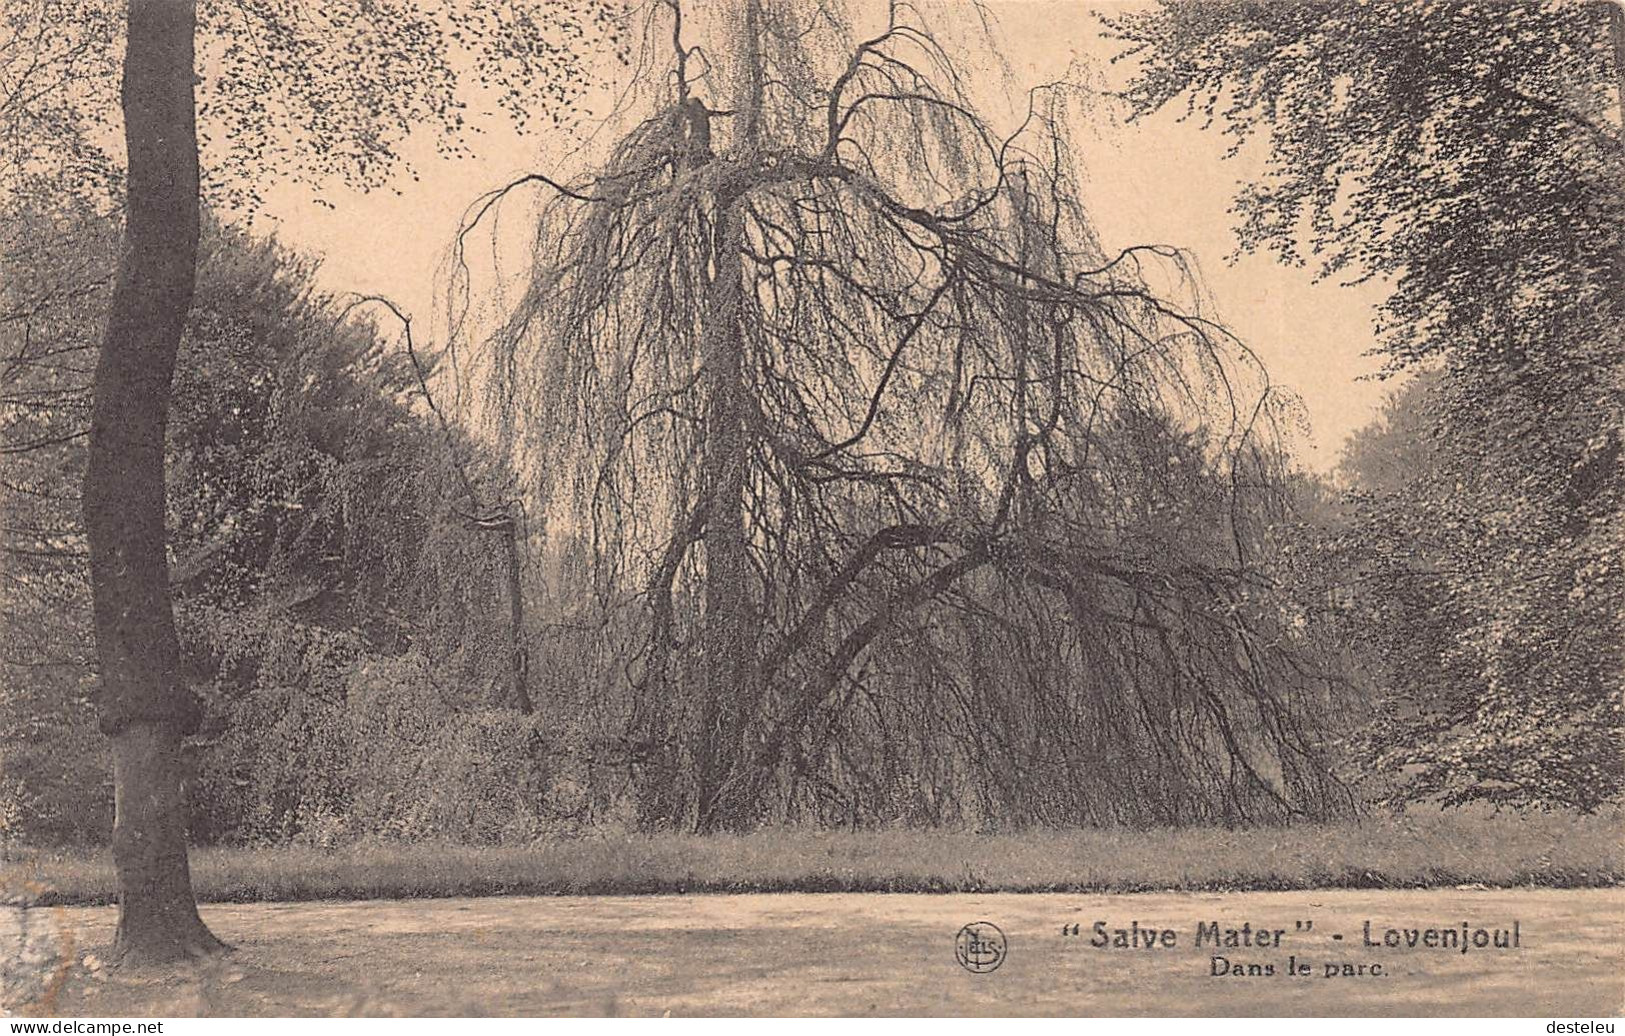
[(728, 609), (729, 599), (158, 919), (144, 704)]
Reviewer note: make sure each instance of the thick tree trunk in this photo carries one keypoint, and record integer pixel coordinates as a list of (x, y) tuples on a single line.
[(158, 920), (145, 706), (728, 595), (725, 791)]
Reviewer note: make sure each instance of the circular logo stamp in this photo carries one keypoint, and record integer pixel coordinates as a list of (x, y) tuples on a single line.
[(980, 947)]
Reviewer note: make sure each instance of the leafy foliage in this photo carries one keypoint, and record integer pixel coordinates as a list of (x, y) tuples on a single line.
[(293, 91), (53, 277), (312, 530), (1472, 158), (1494, 616)]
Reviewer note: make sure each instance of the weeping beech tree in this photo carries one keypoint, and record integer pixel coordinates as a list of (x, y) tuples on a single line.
[(913, 504)]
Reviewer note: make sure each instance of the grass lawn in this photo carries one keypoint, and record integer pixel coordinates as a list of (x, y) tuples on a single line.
[(854, 954), (1418, 849)]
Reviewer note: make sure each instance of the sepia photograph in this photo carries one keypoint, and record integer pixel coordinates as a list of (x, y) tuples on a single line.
[(811, 508)]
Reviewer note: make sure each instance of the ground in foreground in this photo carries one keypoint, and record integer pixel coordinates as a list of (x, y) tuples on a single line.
[(854, 954)]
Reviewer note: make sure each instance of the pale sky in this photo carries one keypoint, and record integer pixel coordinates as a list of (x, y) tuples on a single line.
[(1159, 181)]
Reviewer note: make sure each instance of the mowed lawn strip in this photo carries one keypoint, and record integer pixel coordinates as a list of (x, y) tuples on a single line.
[(1414, 850)]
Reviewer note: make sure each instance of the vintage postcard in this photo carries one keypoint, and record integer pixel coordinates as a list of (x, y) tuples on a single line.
[(519, 508)]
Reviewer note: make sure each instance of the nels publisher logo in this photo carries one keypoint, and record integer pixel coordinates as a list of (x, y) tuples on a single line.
[(980, 947)]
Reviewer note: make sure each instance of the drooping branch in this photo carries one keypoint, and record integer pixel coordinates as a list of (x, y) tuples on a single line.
[(848, 387), (503, 522)]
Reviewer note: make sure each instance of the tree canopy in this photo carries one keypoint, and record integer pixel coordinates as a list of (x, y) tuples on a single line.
[(291, 91), (1471, 158)]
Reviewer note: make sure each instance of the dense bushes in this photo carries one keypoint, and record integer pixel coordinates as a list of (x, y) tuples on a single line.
[(313, 532), (1486, 590), (353, 745)]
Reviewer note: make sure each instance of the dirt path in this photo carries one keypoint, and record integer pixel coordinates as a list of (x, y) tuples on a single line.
[(866, 954)]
